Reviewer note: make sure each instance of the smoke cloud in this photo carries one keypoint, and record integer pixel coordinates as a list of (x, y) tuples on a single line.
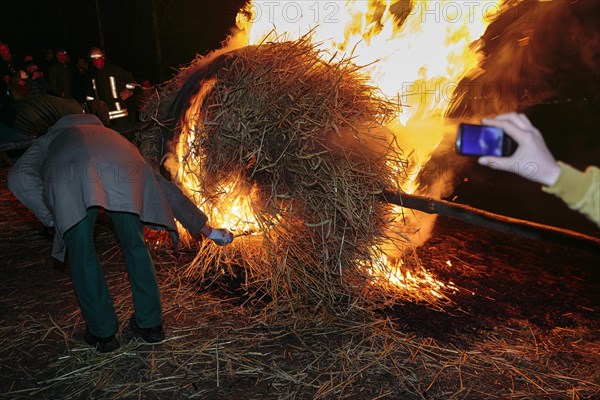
[(534, 51)]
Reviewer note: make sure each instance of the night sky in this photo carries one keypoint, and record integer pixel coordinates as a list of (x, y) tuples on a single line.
[(186, 28), (567, 52)]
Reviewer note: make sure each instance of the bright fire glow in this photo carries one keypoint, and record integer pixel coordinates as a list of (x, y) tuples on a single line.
[(418, 62), (233, 210), (391, 273)]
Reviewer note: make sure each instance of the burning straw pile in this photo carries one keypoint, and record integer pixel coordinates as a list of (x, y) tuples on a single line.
[(302, 139)]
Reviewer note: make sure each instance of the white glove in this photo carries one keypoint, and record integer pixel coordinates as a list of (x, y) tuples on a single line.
[(532, 159), (221, 237)]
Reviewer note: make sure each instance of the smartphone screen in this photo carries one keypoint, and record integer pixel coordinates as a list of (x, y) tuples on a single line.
[(482, 140)]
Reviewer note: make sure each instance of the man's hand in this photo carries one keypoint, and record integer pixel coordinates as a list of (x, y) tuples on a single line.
[(125, 94), (220, 237), (532, 159)]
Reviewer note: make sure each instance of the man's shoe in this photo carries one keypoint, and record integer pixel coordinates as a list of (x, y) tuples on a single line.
[(149, 335), (102, 344)]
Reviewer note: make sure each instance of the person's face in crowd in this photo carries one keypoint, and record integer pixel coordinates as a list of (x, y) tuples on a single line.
[(98, 63), (82, 64), (4, 51), (98, 60), (31, 68), (62, 57)]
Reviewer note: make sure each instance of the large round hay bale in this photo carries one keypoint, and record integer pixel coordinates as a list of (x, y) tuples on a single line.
[(306, 137)]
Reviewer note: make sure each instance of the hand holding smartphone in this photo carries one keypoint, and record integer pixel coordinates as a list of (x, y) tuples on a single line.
[(484, 140), (522, 149)]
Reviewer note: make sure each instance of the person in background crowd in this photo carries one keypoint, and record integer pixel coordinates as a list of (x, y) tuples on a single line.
[(114, 86), (9, 72), (17, 87), (46, 60), (80, 80), (61, 75), (70, 173), (579, 190), (36, 83)]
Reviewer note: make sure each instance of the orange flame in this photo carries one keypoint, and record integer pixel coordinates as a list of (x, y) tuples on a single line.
[(418, 62), (233, 208), (416, 52)]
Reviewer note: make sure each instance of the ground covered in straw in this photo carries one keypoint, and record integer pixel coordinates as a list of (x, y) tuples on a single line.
[(521, 323)]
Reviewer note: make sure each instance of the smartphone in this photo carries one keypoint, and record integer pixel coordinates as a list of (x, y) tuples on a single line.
[(483, 140)]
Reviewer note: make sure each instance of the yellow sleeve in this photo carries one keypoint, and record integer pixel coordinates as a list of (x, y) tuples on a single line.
[(579, 190)]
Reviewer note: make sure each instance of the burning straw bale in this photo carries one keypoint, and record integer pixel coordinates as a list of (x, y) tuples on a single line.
[(304, 137)]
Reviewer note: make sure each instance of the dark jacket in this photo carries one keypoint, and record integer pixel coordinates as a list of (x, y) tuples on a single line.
[(102, 88)]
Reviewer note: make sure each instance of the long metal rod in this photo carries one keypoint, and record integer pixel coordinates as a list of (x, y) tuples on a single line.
[(501, 223)]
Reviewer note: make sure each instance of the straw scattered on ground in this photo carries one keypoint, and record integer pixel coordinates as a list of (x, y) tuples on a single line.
[(501, 339)]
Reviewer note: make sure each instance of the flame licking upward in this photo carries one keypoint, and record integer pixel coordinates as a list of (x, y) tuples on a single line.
[(234, 208), (414, 51)]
